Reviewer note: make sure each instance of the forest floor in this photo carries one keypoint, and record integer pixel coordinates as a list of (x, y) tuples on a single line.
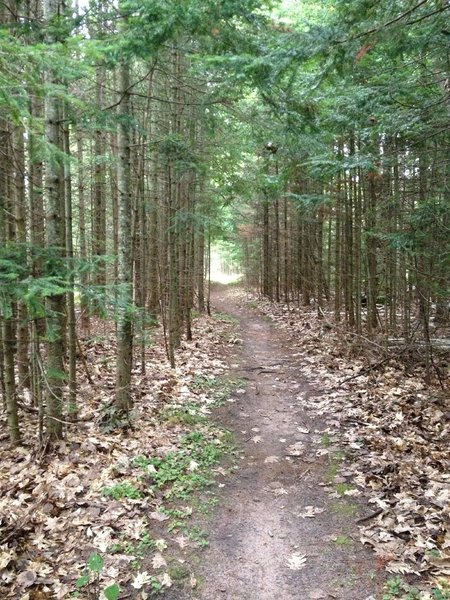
[(293, 519), (281, 459), (285, 528)]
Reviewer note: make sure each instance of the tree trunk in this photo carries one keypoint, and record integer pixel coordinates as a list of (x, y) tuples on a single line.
[(123, 399), (55, 246), (21, 238), (71, 318)]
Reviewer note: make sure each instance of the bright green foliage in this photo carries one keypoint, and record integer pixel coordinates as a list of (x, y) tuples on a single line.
[(180, 473), (95, 563), (90, 579), (396, 587), (125, 489), (112, 592)]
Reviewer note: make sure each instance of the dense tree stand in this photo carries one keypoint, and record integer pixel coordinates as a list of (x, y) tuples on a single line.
[(149, 149)]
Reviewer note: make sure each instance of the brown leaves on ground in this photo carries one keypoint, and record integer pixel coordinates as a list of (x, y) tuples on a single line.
[(395, 430), (53, 509)]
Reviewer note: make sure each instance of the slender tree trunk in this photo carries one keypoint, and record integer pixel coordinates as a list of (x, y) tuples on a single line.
[(371, 253), (125, 259), (98, 194), (84, 280), (55, 239), (200, 268), (21, 238), (266, 290), (10, 385), (338, 249), (7, 333), (71, 318), (286, 270)]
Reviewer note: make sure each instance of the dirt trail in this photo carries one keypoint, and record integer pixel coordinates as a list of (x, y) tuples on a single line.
[(258, 530)]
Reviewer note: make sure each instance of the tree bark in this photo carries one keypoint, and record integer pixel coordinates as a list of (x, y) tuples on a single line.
[(55, 245), (123, 399)]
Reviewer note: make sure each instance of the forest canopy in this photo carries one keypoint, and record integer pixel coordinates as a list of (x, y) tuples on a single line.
[(301, 149), (309, 139)]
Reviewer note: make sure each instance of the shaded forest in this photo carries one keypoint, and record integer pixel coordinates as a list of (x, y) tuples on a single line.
[(305, 144), (313, 141)]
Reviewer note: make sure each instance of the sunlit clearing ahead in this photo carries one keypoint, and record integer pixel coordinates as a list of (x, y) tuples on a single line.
[(224, 270)]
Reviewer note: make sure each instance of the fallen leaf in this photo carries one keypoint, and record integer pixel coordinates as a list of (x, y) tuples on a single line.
[(159, 516), (310, 512), (280, 491), (6, 558), (182, 541), (296, 449), (158, 561), (161, 544), (165, 580), (140, 580), (317, 595), (26, 578), (271, 459), (400, 567), (296, 562)]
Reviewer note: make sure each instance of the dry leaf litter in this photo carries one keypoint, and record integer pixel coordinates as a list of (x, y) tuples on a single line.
[(54, 512), (394, 428)]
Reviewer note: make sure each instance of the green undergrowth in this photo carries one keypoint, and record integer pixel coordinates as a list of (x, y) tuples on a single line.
[(217, 389), (396, 588), (177, 482), (179, 473), (342, 506), (136, 548), (180, 483), (124, 489), (187, 414), (225, 317)]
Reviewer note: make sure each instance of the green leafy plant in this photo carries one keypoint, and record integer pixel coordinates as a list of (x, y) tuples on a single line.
[(181, 472), (206, 507), (343, 540), (347, 509), (325, 440), (226, 317), (138, 549), (341, 488), (125, 489), (178, 573), (90, 580), (393, 586), (441, 593), (396, 587), (187, 414), (197, 535), (218, 389)]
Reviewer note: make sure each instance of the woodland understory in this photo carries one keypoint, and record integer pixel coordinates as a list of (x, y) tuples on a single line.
[(144, 145), (127, 501)]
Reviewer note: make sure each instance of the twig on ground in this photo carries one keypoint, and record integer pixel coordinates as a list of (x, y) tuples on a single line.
[(371, 516)]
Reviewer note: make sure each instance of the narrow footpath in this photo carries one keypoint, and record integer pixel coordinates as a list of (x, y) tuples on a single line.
[(282, 529)]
